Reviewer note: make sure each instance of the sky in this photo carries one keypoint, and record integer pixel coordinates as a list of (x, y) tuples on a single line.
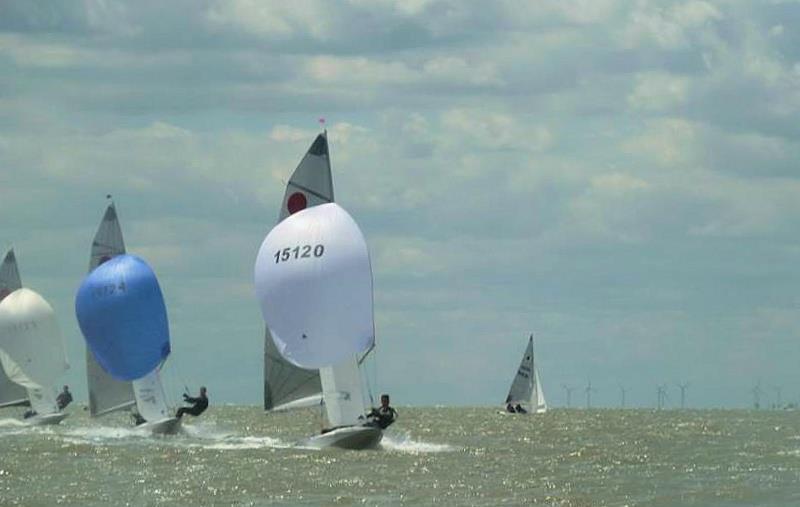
[(619, 177)]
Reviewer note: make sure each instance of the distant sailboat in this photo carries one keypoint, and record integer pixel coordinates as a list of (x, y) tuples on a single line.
[(287, 386), (31, 348), (526, 388), (122, 315), (325, 273)]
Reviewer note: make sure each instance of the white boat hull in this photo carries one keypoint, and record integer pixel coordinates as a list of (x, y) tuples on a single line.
[(46, 419), (166, 426), (349, 437)]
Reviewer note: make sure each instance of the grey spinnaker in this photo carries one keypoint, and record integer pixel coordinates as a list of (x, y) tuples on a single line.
[(11, 393), (285, 385), (106, 394)]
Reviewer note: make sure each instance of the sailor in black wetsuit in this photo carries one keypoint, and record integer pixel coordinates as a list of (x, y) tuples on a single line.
[(199, 404), (383, 416), (64, 398)]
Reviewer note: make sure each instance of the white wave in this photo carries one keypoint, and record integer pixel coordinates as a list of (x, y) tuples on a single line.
[(100, 434), (11, 423), (243, 443), (404, 443), (205, 431)]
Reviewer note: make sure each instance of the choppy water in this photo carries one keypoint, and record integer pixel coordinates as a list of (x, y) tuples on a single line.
[(448, 456)]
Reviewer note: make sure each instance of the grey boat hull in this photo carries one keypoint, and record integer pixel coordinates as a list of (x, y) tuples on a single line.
[(349, 437), (166, 426)]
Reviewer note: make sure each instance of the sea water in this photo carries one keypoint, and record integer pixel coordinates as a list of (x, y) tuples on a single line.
[(235, 455)]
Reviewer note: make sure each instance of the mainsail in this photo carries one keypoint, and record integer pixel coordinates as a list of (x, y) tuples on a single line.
[(526, 388), (123, 318), (286, 385), (11, 393), (314, 281), (106, 394), (31, 348)]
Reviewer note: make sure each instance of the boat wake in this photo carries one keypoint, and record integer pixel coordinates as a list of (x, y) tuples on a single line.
[(243, 443), (11, 423), (404, 443)]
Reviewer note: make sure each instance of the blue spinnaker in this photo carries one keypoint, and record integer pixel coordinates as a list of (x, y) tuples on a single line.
[(122, 315)]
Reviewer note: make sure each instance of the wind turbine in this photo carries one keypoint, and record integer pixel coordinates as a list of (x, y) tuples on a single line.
[(778, 390), (589, 390), (569, 390), (757, 392), (683, 388), (661, 393)]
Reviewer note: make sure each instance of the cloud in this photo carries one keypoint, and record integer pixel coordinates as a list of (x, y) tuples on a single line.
[(614, 174)]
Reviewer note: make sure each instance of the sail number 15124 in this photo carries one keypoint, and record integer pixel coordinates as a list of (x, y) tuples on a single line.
[(299, 252)]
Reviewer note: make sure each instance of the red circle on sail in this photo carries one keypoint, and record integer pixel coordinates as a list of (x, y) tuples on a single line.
[(297, 202)]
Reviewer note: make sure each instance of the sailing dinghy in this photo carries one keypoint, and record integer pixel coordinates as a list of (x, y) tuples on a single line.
[(526, 388), (314, 283), (31, 348), (123, 318)]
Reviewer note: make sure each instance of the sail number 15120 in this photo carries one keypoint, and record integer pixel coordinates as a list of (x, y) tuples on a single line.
[(299, 252)]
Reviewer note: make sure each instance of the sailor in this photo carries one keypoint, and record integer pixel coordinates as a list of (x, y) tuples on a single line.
[(199, 404), (510, 408), (520, 410), (64, 398), (137, 418), (383, 416)]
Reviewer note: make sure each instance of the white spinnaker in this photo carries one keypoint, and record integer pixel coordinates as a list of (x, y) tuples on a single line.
[(287, 386), (33, 352), (10, 393), (341, 391), (522, 386), (540, 403), (314, 282), (106, 394), (150, 400)]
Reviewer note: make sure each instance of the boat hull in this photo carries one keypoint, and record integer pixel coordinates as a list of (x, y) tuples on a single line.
[(166, 426), (46, 419), (349, 437)]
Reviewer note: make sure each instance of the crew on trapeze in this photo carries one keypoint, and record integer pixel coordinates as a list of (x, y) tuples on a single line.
[(64, 398), (383, 416), (199, 404)]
